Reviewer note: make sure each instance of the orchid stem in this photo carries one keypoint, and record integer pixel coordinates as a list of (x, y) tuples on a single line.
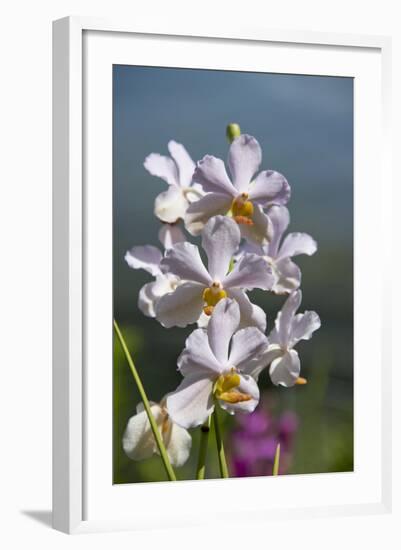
[(276, 460), (155, 429), (220, 446), (204, 439)]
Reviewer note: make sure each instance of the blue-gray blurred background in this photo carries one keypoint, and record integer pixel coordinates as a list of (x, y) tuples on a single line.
[(305, 127)]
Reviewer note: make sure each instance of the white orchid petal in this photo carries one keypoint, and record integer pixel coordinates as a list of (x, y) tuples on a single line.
[(251, 271), (162, 167), (181, 307), (250, 314), (138, 440), (144, 257), (199, 212), (244, 158), (285, 370), (270, 187), (248, 344), (255, 367), (170, 205), (146, 302), (198, 357), (249, 387), (211, 174), (184, 261), (220, 240), (288, 276), (297, 243), (280, 219), (169, 235), (178, 444), (261, 231), (303, 326), (150, 293), (192, 402), (222, 325), (285, 317), (185, 165)]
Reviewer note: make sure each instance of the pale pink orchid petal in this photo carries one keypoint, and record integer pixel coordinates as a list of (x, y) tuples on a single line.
[(297, 243), (185, 165), (171, 205), (211, 174), (280, 220), (171, 234), (285, 370), (244, 158), (144, 257), (138, 440), (178, 443), (285, 317), (162, 167), (220, 240), (248, 345), (270, 187), (251, 271), (251, 315), (199, 212), (192, 402), (150, 293), (222, 325), (181, 307), (184, 261), (303, 326), (198, 356), (288, 276)]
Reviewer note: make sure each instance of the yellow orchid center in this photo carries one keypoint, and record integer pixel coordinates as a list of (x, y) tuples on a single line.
[(226, 388), (242, 210), (212, 295)]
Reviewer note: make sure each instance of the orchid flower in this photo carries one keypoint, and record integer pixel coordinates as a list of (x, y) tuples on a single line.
[(244, 196), (139, 442), (289, 329), (148, 258), (216, 365), (177, 171), (278, 252), (204, 288)]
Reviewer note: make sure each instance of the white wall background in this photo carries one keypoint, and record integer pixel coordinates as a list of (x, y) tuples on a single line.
[(25, 307)]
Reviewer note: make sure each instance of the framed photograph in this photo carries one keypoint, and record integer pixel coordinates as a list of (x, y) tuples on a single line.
[(219, 199)]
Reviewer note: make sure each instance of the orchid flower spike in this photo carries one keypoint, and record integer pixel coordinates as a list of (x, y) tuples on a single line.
[(204, 288), (278, 253), (177, 171), (148, 258), (139, 442), (289, 329), (216, 364), (244, 196)]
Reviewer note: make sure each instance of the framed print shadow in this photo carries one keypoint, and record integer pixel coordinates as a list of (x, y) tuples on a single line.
[(211, 235)]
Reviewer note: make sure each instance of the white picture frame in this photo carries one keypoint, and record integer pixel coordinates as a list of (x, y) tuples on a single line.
[(72, 474)]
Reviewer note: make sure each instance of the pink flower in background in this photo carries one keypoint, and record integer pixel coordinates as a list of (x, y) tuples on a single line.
[(254, 441)]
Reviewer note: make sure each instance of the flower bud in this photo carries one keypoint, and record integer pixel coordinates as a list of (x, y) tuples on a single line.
[(233, 131)]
